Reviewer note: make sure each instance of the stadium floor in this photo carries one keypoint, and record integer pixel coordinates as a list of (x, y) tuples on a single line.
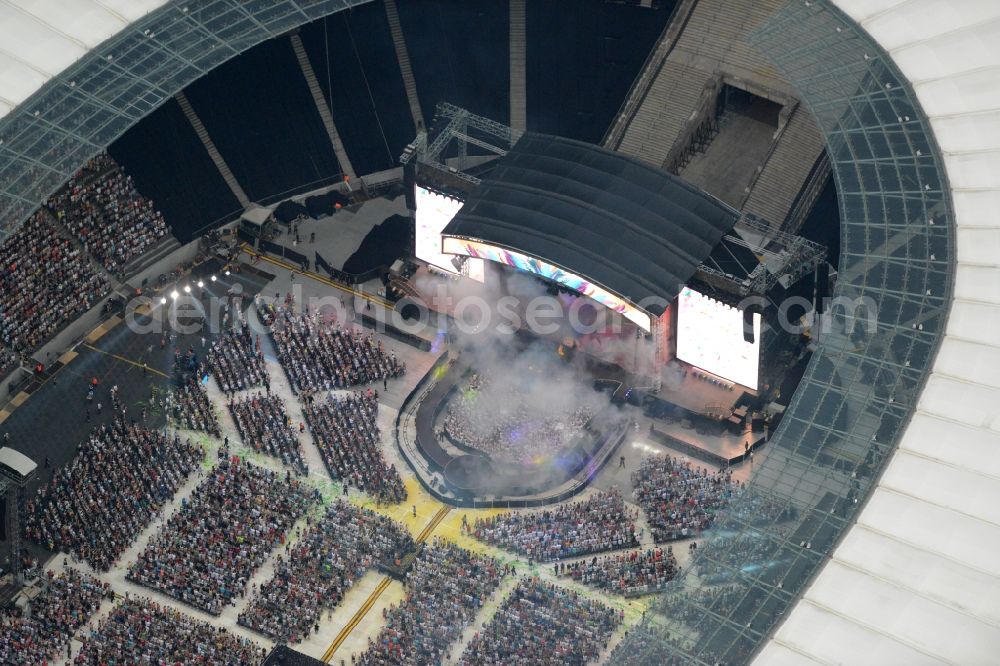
[(53, 421)]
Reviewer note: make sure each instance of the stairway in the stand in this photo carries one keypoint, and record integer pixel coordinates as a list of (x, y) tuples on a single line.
[(160, 249), (321, 105), (518, 48), (403, 56), (784, 173), (213, 152)]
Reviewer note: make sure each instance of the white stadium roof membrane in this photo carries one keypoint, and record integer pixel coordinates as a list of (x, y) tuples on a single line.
[(41, 38), (917, 579)]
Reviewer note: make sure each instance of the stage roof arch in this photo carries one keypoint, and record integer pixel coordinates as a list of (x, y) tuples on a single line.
[(636, 230)]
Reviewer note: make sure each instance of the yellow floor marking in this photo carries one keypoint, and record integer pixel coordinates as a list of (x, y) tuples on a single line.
[(126, 360)]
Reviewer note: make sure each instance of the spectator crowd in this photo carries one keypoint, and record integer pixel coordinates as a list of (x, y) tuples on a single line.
[(629, 574), (66, 602), (45, 283), (113, 222), (444, 590), (236, 362), (192, 410), (314, 574), (265, 427), (140, 631), (320, 355), (95, 506), (543, 624), (679, 499), (510, 425), (205, 554), (601, 522), (725, 556), (648, 644), (346, 432)]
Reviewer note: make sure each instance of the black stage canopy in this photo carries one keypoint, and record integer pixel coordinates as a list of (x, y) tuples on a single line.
[(634, 229)]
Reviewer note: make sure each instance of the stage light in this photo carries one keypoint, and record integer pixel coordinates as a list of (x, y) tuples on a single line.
[(227, 273), (201, 284), (187, 289), (174, 295), (213, 278), (163, 300)]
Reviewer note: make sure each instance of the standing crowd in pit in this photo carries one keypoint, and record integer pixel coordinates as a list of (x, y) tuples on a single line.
[(236, 362), (97, 504), (112, 221), (510, 426), (264, 426), (314, 574), (542, 624), (205, 554), (347, 434), (45, 283), (444, 590), (140, 631), (601, 522), (630, 574), (192, 410), (320, 355), (679, 499), (66, 602)]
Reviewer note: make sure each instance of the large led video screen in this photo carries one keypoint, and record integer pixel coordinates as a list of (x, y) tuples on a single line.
[(529, 264), (710, 337), (434, 212)]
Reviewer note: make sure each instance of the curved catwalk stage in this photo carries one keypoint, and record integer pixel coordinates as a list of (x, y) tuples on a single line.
[(474, 476)]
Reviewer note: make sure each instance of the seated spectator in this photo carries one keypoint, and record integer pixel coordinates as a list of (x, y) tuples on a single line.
[(320, 356), (212, 545), (66, 602), (723, 558), (113, 222), (97, 505), (757, 507), (601, 522), (348, 437), (100, 163), (689, 607), (647, 644), (319, 569), (445, 589), (45, 283), (680, 500), (541, 623), (629, 574), (191, 409), (140, 631), (235, 363), (265, 427)]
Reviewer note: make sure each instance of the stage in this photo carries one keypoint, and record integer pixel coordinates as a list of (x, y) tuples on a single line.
[(699, 392)]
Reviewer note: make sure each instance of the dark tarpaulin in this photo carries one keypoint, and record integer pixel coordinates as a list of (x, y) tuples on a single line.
[(288, 211), (629, 227)]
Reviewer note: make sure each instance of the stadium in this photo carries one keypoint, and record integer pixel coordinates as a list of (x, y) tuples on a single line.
[(499, 332)]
